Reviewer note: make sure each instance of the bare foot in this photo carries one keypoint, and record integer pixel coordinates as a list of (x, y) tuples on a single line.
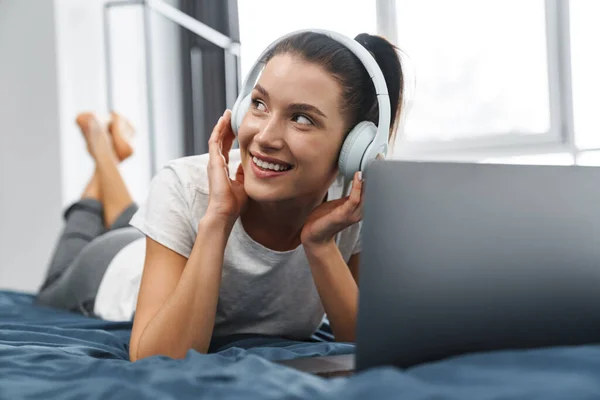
[(99, 142), (122, 135), (84, 121)]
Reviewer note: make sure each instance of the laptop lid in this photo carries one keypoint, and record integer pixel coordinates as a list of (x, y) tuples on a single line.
[(462, 258)]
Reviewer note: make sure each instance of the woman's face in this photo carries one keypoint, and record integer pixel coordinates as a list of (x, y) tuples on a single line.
[(292, 133)]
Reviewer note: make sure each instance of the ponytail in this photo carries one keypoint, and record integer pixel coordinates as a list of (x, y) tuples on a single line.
[(386, 55)]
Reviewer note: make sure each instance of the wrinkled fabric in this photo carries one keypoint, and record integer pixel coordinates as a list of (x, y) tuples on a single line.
[(46, 353)]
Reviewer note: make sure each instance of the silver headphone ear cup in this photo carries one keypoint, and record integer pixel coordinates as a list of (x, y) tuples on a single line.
[(355, 147), (343, 162), (239, 112)]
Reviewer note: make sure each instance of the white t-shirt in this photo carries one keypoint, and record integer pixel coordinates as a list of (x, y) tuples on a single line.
[(262, 291)]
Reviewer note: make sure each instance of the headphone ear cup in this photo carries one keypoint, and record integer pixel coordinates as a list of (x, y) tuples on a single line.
[(354, 148), (238, 113)]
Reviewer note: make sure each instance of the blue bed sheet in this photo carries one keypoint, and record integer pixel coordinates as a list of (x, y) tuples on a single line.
[(47, 353)]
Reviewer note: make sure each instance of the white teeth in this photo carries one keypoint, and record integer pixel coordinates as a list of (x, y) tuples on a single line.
[(266, 165)]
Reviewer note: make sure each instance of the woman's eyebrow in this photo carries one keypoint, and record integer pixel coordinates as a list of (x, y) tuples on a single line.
[(306, 108), (261, 90)]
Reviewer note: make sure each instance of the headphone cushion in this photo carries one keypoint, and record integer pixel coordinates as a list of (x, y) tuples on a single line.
[(354, 148), (239, 112)]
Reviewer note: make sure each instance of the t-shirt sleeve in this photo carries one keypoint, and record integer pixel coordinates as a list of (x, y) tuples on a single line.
[(166, 215)]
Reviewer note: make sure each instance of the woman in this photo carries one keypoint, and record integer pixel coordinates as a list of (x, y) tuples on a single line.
[(263, 253)]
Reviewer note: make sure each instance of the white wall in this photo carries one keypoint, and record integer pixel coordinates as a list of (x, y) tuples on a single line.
[(30, 164), (52, 68)]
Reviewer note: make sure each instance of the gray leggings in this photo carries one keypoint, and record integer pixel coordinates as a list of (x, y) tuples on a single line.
[(82, 254)]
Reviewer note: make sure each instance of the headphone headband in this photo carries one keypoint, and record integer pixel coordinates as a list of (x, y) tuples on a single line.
[(380, 143)]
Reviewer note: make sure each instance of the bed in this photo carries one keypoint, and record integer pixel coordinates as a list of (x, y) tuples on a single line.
[(47, 354)]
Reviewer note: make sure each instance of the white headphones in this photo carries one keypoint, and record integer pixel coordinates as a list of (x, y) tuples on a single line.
[(365, 141)]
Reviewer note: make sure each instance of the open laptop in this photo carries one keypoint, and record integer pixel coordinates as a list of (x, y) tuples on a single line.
[(460, 258)]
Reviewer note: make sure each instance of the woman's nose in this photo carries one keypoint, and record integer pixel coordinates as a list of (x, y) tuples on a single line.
[(270, 134)]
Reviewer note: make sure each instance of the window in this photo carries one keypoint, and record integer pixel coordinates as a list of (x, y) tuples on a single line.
[(505, 77), (585, 58), (480, 68), (263, 22)]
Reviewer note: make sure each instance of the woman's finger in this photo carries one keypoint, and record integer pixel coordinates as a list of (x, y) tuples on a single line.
[(218, 176), (353, 207), (227, 135), (356, 191), (215, 143)]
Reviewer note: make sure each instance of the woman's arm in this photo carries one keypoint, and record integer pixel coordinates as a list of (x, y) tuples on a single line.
[(178, 300), (335, 280), (177, 303), (337, 287)]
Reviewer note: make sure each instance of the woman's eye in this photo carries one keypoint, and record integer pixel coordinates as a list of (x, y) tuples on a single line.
[(301, 119), (259, 105)]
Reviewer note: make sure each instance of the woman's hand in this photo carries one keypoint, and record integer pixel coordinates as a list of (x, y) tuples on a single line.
[(227, 196), (333, 216)]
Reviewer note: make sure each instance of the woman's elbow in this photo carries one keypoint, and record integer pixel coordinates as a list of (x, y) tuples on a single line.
[(345, 335), (133, 353), (346, 338)]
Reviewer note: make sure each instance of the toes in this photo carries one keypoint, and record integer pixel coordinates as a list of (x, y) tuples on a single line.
[(120, 126), (84, 119), (122, 133)]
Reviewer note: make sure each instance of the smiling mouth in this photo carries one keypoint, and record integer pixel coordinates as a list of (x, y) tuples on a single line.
[(270, 166)]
